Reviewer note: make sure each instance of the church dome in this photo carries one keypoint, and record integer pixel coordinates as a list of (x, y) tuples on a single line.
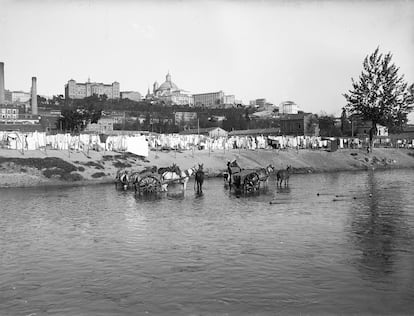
[(168, 84)]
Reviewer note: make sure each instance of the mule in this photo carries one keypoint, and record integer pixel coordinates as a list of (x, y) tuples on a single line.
[(199, 178), (174, 177), (264, 173), (283, 176)]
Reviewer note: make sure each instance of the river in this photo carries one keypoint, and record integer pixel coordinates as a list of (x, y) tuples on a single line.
[(337, 243)]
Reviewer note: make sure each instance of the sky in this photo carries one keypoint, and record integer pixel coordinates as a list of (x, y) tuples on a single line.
[(303, 51)]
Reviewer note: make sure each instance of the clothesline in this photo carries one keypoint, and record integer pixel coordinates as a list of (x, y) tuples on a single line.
[(140, 144), (136, 144)]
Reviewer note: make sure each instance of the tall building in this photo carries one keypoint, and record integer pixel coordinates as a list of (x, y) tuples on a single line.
[(169, 93), (20, 96), (211, 99), (214, 99), (229, 99), (74, 90), (288, 107)]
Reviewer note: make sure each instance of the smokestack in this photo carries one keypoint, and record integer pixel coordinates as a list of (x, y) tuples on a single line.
[(2, 98), (34, 96)]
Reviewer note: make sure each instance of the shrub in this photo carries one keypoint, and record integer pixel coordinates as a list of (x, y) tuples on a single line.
[(74, 176), (121, 165), (98, 175)]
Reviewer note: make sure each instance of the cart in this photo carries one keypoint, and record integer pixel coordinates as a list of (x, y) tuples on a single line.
[(148, 183), (246, 181)]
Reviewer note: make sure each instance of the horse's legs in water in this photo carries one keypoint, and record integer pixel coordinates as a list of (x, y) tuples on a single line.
[(199, 190)]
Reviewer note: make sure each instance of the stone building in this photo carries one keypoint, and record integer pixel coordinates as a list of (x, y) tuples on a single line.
[(169, 93), (210, 99), (301, 124), (74, 90), (288, 107)]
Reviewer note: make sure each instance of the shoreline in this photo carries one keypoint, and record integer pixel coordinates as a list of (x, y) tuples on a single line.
[(63, 168)]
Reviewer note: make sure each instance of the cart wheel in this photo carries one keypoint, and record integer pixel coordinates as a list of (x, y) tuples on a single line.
[(149, 184)]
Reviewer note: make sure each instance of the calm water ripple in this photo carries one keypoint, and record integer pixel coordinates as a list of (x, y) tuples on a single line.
[(339, 243)]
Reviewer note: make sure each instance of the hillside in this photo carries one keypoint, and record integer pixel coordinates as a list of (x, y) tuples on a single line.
[(76, 168)]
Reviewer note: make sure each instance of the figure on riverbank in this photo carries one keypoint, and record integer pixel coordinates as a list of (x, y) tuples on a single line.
[(283, 175), (232, 168), (199, 178)]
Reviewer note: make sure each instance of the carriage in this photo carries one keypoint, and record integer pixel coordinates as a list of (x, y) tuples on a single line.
[(246, 180), (146, 181), (152, 181)]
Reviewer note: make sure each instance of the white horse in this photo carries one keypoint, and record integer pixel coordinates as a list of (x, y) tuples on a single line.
[(174, 177)]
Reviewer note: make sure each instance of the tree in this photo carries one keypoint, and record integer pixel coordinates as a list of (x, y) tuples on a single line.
[(57, 100), (77, 119), (380, 95), (327, 127)]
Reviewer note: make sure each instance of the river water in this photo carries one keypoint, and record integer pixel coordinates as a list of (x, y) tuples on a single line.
[(339, 243)]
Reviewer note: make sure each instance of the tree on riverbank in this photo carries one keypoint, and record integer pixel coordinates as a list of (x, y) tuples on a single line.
[(380, 95), (75, 120)]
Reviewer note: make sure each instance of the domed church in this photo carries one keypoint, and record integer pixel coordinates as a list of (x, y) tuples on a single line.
[(169, 93)]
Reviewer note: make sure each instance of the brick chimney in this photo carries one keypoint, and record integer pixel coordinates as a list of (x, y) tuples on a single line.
[(34, 96), (2, 97)]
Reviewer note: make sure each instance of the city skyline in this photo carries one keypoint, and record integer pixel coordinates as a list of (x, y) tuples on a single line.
[(306, 52)]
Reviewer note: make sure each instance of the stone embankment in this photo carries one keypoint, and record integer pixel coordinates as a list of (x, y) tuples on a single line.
[(34, 168)]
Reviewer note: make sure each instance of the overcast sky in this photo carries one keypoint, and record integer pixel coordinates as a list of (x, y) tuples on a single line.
[(304, 51)]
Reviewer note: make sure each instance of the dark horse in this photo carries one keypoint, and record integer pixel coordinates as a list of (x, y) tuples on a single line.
[(199, 178), (283, 175)]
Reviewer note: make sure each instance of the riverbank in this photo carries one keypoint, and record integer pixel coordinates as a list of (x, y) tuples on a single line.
[(34, 168)]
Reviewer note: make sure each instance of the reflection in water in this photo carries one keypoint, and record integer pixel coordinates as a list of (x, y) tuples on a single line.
[(283, 190), (378, 226)]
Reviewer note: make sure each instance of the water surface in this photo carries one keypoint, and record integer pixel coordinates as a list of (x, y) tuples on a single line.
[(340, 243)]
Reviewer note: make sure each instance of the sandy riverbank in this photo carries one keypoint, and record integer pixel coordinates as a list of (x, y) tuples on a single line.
[(33, 168)]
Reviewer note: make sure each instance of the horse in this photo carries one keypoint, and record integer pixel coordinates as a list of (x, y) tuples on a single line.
[(177, 177), (122, 177), (199, 179), (283, 175), (264, 173), (173, 168)]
